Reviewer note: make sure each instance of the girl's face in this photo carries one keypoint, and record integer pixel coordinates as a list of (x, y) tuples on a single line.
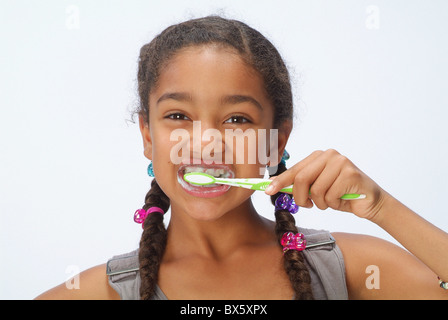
[(202, 92)]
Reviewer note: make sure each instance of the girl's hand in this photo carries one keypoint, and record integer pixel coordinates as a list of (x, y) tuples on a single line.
[(323, 177)]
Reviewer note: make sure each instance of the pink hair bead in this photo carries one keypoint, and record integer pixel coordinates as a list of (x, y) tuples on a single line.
[(141, 214), (291, 241)]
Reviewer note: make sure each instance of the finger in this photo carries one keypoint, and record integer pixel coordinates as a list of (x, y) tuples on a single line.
[(334, 194), (313, 181), (305, 180), (322, 184), (303, 175), (287, 178), (348, 181)]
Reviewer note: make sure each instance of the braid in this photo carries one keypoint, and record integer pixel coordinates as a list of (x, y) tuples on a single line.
[(294, 261), (153, 241)]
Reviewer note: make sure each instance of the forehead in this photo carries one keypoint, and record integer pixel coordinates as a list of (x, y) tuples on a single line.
[(210, 70)]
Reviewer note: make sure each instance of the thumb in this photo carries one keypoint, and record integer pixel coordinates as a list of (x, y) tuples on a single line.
[(278, 182)]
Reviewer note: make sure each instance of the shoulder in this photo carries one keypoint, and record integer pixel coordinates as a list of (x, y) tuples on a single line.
[(361, 245), (361, 252), (379, 269), (91, 284)]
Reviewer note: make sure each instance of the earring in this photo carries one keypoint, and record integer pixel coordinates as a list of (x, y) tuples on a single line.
[(150, 170), (285, 157)]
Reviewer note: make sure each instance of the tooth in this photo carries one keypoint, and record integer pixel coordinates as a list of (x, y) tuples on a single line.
[(216, 172), (193, 169)]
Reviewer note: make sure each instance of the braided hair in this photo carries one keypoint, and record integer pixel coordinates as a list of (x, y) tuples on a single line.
[(259, 53), (293, 260), (153, 241)]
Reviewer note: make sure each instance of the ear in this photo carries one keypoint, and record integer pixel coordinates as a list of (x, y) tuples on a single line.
[(146, 135), (283, 135)]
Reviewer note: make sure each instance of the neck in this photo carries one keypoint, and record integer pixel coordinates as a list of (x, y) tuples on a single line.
[(217, 238)]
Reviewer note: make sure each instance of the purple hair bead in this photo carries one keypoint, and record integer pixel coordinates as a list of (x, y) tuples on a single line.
[(286, 202)]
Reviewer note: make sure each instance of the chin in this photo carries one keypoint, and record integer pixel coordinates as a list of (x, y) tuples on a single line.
[(205, 210)]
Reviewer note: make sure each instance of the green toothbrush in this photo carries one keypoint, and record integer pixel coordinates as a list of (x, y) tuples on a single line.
[(202, 179)]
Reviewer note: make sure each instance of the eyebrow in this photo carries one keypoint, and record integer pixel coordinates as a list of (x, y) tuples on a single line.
[(235, 99), (229, 99), (178, 96)]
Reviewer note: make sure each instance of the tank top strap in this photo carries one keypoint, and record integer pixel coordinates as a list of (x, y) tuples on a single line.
[(124, 277), (325, 264)]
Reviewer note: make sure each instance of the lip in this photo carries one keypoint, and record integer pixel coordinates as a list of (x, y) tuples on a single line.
[(202, 191)]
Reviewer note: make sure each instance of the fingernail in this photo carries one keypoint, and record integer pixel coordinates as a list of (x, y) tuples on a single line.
[(269, 189)]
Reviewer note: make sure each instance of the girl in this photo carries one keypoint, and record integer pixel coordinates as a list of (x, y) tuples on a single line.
[(227, 75)]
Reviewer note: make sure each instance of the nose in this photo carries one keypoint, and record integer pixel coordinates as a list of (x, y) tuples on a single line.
[(207, 143)]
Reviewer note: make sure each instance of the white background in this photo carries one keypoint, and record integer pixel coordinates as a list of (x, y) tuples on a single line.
[(370, 78)]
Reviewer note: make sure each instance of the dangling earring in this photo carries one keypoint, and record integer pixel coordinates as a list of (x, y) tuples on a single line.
[(150, 170), (285, 157)]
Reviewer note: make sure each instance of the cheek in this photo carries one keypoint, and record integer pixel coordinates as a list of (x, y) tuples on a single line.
[(164, 170), (162, 140), (161, 147)]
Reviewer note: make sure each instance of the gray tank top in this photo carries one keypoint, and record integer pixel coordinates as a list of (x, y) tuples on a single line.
[(322, 256)]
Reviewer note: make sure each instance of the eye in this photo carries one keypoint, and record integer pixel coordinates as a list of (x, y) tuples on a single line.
[(177, 116), (237, 120)]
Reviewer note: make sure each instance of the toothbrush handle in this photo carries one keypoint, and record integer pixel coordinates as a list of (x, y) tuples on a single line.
[(288, 189), (261, 185), (348, 196), (353, 196)]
